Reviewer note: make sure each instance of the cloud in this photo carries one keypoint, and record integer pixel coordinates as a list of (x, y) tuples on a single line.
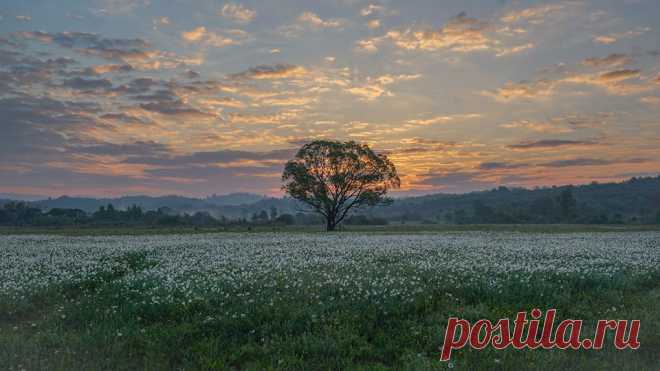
[(589, 162), (214, 158), (188, 89), (564, 123), (309, 20), (538, 126), (222, 102), (619, 75), (374, 23), (288, 101), (651, 100), (614, 37), (85, 40), (170, 99), (36, 128), (164, 96), (375, 87), (460, 34), (539, 89), (550, 143), (138, 148), (102, 69), (269, 72), (85, 102), (160, 21), (500, 165), (369, 92), (390, 79), (195, 34), (141, 85), (87, 85), (612, 60), (135, 52), (238, 13), (585, 121), (455, 182), (371, 9), (534, 15), (124, 118), (444, 119), (23, 18), (202, 35), (113, 7), (368, 45), (279, 118), (514, 49), (616, 82), (605, 39), (18, 71), (313, 20), (177, 109)]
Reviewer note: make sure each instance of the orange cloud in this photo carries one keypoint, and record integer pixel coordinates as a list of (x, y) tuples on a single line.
[(612, 60), (461, 34), (614, 37), (201, 34), (532, 15), (238, 13), (444, 119), (314, 20)]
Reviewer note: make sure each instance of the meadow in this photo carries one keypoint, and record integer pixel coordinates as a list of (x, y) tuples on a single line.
[(314, 301)]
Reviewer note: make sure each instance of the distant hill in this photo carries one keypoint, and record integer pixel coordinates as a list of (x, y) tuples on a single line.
[(20, 197), (235, 205), (234, 199), (178, 203), (635, 199)]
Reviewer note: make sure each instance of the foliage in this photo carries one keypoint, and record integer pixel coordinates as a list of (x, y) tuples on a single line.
[(334, 178)]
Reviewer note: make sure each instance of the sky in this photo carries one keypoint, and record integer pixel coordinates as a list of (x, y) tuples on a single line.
[(125, 97)]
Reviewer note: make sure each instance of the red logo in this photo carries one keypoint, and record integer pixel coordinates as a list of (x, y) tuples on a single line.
[(566, 335)]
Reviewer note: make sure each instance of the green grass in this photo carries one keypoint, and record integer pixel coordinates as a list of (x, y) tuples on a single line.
[(104, 323), (392, 228)]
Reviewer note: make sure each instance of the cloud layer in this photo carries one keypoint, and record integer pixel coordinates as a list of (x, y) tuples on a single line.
[(145, 97)]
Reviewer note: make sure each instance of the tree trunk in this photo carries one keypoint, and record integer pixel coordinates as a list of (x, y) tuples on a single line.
[(330, 224)]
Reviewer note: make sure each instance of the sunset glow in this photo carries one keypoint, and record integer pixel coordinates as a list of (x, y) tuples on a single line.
[(116, 97)]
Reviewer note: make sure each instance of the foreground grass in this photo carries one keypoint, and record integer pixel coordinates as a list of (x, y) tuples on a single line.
[(392, 228), (105, 322)]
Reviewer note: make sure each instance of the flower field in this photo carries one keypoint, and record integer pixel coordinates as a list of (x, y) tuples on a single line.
[(314, 301)]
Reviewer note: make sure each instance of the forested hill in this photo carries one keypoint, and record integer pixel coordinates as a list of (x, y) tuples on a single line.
[(177, 203), (592, 203), (634, 201)]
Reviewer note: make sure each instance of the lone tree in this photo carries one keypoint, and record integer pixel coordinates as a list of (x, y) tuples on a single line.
[(334, 178)]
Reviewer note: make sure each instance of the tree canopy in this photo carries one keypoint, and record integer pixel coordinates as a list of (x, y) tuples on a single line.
[(335, 178)]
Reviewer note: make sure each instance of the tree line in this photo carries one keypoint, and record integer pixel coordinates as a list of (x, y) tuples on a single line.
[(562, 207), (19, 214)]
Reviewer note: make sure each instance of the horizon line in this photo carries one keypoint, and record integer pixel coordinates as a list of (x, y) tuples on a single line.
[(34, 198)]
